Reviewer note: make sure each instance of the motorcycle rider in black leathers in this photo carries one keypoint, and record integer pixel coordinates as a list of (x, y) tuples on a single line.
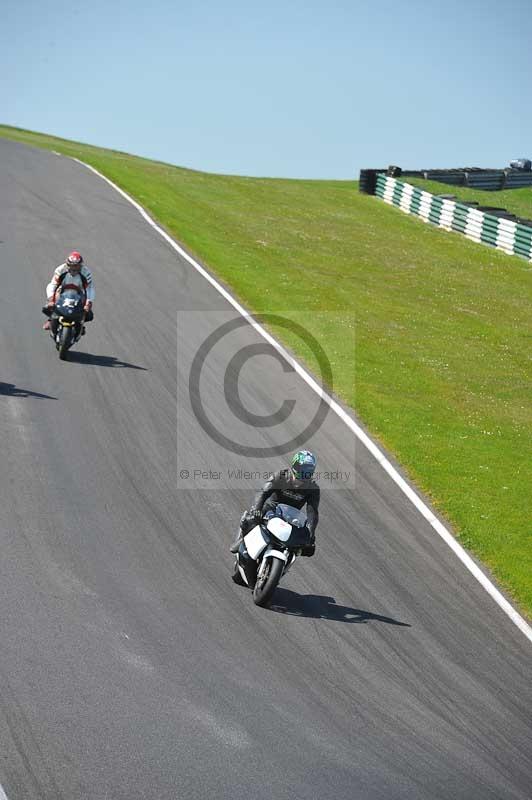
[(294, 487)]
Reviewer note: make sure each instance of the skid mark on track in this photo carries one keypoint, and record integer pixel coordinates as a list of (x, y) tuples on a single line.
[(228, 733), (38, 782)]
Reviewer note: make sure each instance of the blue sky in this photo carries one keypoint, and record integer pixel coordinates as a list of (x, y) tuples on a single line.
[(292, 89)]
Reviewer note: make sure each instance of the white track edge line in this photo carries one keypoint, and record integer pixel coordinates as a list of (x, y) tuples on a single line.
[(422, 507), (3, 795)]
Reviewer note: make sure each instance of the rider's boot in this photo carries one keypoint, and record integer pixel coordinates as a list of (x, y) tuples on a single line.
[(238, 541), (243, 528)]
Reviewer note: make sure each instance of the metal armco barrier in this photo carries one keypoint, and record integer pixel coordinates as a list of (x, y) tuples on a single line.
[(489, 180), (492, 229)]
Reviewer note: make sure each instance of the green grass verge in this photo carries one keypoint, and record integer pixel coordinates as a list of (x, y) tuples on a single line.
[(442, 369), (517, 201)]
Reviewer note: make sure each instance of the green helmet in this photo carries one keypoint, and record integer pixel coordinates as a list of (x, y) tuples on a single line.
[(303, 465)]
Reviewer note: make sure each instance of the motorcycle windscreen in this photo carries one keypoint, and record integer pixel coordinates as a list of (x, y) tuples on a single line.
[(294, 516), (255, 542)]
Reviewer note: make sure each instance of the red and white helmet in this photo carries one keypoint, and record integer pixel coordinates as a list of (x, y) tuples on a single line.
[(74, 261)]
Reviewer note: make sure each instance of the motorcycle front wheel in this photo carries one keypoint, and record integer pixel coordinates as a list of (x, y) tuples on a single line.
[(267, 583), (65, 337)]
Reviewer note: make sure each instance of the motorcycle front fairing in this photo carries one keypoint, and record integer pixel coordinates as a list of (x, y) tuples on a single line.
[(257, 545), (255, 542), (247, 565), (68, 313), (288, 526), (299, 538), (69, 306)]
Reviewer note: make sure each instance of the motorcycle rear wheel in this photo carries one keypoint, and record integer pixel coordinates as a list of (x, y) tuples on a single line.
[(267, 583)]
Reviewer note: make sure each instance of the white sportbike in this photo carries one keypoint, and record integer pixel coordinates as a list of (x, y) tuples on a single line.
[(269, 550)]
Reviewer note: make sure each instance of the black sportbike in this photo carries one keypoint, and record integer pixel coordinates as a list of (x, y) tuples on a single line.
[(269, 549), (66, 320)]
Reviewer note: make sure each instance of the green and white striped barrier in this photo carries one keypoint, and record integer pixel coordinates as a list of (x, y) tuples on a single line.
[(504, 234)]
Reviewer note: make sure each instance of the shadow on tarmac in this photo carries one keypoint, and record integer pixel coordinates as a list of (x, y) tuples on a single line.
[(10, 390), (100, 361), (316, 606)]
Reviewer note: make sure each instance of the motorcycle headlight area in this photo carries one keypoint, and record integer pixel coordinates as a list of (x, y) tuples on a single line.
[(279, 528)]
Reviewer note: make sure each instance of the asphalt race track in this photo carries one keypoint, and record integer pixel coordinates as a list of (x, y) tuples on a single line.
[(131, 667)]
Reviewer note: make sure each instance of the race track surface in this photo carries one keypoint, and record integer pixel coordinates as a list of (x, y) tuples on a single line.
[(131, 667)]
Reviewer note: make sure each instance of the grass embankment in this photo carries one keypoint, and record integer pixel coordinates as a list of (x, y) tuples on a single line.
[(517, 201), (442, 370)]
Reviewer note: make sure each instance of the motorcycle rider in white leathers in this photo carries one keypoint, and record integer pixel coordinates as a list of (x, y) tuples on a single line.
[(73, 274)]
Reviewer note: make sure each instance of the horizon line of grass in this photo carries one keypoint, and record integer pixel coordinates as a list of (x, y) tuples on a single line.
[(442, 373), (20, 135)]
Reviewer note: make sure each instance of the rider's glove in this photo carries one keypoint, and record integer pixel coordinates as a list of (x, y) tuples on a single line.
[(256, 514)]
